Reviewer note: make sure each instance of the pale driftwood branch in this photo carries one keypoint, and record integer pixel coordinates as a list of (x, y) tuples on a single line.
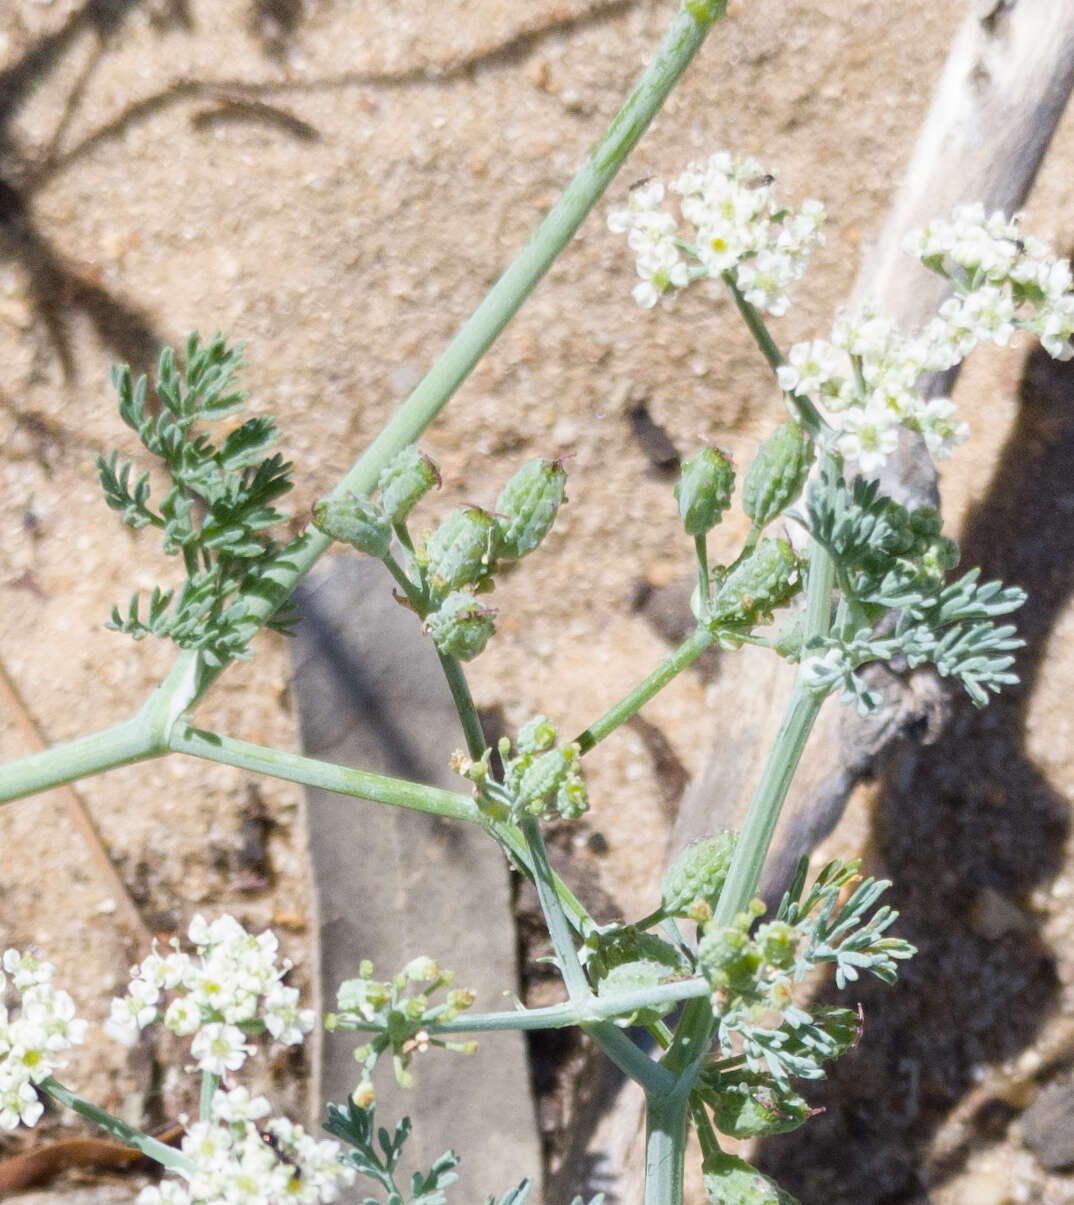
[(995, 108)]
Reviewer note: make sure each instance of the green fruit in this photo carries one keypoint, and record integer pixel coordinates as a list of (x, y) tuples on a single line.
[(698, 873), (729, 960), (777, 474), (536, 735), (629, 960), (754, 588), (527, 507), (729, 1180), (357, 520), (461, 626), (406, 479), (746, 1104), (704, 489), (459, 552)]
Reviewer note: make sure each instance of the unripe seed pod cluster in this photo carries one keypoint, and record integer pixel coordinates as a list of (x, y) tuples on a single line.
[(461, 554), (541, 778)]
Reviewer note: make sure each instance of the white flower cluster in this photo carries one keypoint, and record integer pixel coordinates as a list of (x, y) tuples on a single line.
[(867, 374), (1003, 279), (32, 1043), (866, 378), (230, 987), (235, 1163), (738, 229)]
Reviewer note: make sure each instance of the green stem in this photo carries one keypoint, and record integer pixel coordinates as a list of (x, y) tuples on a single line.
[(160, 1152), (209, 1085), (701, 548), (464, 705), (561, 1016), (413, 594), (706, 1135), (690, 649), (512, 840), (665, 1146), (118, 746), (555, 918), (329, 777), (809, 415)]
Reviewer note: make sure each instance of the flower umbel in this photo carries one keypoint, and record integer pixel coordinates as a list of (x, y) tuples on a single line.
[(32, 1042), (228, 989)]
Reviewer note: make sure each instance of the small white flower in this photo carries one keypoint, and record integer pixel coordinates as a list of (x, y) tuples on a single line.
[(236, 1106), (867, 436), (220, 1048)]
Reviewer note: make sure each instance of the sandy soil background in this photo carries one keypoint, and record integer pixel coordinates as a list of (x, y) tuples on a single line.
[(336, 184)]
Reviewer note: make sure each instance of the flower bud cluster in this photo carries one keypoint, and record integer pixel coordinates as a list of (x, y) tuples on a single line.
[(237, 1162), (539, 779), (738, 229), (229, 988), (399, 1015), (33, 1042)]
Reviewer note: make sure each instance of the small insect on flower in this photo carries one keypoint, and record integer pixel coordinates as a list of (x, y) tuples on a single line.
[(274, 1144)]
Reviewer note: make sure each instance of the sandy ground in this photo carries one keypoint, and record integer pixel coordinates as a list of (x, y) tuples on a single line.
[(336, 184)]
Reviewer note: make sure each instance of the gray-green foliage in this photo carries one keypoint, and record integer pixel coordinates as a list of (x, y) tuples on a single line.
[(891, 562), (218, 509)]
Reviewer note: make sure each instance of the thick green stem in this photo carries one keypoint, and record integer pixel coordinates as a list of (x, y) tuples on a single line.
[(160, 1152), (209, 1085), (119, 746), (569, 1013), (687, 652), (665, 1147)]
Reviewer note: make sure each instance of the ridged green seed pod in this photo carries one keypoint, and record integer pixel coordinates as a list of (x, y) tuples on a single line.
[(633, 945), (762, 582), (729, 960), (704, 489), (406, 479), (460, 550), (634, 977), (461, 626), (777, 474), (748, 1105), (527, 507), (357, 520), (544, 776), (572, 798), (536, 735), (731, 1181), (698, 873)]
